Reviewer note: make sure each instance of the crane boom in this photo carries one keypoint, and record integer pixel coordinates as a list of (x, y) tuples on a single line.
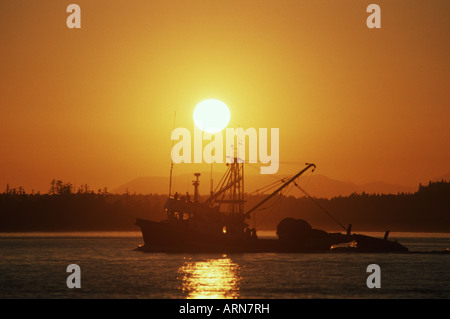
[(247, 214)]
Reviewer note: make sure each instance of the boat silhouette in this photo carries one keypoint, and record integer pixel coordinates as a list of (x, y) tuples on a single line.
[(218, 225)]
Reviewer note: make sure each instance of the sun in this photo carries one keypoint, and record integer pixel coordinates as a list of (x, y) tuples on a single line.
[(211, 116)]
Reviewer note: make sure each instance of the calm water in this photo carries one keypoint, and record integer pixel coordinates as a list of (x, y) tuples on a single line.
[(34, 265)]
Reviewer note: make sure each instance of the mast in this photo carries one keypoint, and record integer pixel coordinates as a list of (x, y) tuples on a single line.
[(247, 214), (171, 160), (230, 189), (211, 191), (237, 181), (196, 183)]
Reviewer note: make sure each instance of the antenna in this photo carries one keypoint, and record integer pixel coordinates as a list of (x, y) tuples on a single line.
[(171, 160), (196, 183), (211, 177)]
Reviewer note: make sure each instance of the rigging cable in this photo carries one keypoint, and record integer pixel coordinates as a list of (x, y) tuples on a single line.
[(302, 190), (320, 206)]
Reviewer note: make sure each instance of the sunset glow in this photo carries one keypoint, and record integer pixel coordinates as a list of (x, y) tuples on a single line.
[(95, 105), (255, 150)]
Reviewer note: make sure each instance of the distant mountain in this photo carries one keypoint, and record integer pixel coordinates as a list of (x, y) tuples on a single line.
[(315, 185)]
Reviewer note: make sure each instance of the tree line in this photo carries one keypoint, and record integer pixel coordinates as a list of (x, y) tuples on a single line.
[(65, 208)]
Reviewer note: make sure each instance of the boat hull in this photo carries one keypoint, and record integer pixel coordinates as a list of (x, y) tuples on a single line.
[(167, 237)]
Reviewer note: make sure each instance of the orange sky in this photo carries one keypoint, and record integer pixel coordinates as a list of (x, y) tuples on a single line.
[(95, 105)]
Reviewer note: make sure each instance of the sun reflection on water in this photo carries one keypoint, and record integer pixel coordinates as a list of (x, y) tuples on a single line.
[(216, 278)]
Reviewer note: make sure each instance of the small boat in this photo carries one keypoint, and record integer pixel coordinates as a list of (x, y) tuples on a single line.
[(218, 225), (367, 244)]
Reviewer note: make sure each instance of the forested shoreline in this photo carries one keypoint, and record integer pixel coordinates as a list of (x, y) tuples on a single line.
[(66, 209)]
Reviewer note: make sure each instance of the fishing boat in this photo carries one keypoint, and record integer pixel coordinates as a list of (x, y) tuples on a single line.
[(219, 224)]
